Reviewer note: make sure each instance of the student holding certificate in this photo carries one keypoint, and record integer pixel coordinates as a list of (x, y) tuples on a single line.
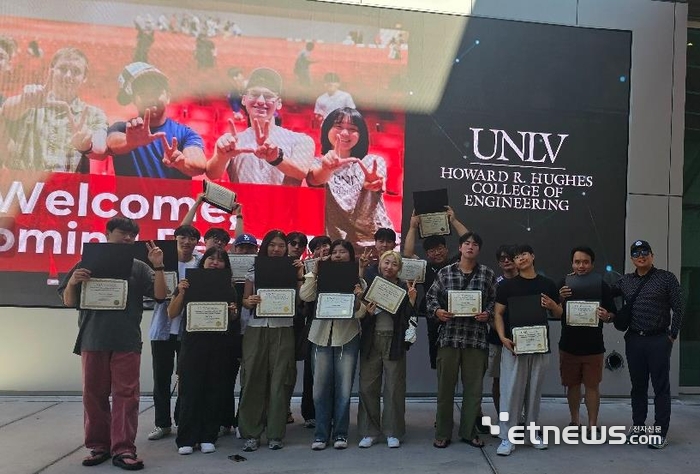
[(521, 307), (587, 305), (383, 354), (109, 343), (462, 344), (200, 366), (335, 344)]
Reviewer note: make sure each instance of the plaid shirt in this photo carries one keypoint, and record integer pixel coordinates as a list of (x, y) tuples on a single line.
[(462, 333)]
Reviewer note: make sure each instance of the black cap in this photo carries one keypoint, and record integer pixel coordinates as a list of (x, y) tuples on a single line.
[(640, 245)]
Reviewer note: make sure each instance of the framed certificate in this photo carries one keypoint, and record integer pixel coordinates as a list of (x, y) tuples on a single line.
[(385, 294), (170, 282), (310, 265), (241, 265), (104, 294), (582, 313), (530, 340), (219, 196), (335, 306), (207, 316), (435, 223), (464, 303), (413, 270), (276, 303)]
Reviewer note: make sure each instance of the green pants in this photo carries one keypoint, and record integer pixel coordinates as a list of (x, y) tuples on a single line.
[(372, 367), (268, 374), (473, 363)]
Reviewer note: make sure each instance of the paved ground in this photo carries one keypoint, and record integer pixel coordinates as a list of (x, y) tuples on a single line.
[(44, 435)]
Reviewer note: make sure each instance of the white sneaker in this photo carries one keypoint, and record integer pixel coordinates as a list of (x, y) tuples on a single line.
[(393, 442), (505, 448), (340, 443), (207, 448), (539, 444), (318, 445), (237, 432), (185, 450), (366, 442), (158, 433)]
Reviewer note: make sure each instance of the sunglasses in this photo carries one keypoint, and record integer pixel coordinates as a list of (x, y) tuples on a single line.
[(296, 243), (640, 253), (503, 258)]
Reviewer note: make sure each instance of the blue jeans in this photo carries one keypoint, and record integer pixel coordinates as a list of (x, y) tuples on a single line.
[(334, 374)]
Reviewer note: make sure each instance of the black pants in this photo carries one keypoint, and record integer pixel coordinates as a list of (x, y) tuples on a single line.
[(308, 412), (433, 328), (232, 363), (164, 355), (649, 356)]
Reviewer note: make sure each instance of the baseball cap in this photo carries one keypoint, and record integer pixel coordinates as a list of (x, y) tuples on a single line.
[(245, 239), (132, 72), (640, 245), (265, 77)]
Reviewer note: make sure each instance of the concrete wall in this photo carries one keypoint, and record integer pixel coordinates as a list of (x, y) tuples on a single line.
[(35, 347)]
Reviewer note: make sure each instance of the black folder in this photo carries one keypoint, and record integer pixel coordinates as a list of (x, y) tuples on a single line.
[(336, 277), (426, 202), (108, 260), (275, 272), (208, 285), (587, 287)]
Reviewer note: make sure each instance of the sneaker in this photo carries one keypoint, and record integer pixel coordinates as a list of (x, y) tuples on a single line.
[(661, 445), (366, 442), (393, 442), (224, 431), (159, 433), (318, 445), (185, 450), (207, 448), (340, 443), (275, 444), (250, 445), (633, 431), (310, 423), (539, 444), (505, 448), (290, 418), (237, 432)]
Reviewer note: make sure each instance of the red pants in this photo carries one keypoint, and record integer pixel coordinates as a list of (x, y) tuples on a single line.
[(116, 373)]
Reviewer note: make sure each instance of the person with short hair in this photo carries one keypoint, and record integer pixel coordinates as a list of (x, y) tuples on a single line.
[(109, 344), (461, 342), (655, 320), (333, 98), (384, 240)]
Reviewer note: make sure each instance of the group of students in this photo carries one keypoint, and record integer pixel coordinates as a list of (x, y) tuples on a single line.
[(266, 349)]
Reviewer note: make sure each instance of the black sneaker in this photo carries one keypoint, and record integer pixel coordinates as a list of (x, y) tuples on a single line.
[(660, 445)]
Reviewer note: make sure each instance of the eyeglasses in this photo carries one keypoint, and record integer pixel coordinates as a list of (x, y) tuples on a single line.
[(267, 96), (640, 253), (296, 243), (503, 258), (436, 250)]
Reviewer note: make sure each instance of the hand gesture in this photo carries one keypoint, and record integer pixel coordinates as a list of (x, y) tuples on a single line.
[(547, 302), (265, 150), (81, 138), (564, 292), (332, 161), (227, 144), (415, 220), (357, 291), (450, 213), (172, 157), (79, 275), (138, 131), (373, 182), (412, 292), (444, 315), (299, 265), (182, 286), (365, 257), (155, 254)]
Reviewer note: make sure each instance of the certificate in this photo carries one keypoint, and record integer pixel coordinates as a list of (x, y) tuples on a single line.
[(219, 196), (530, 340), (170, 282), (385, 294), (276, 303), (413, 270), (435, 223), (241, 264), (207, 316), (464, 303), (335, 306), (310, 265), (104, 294), (582, 313)]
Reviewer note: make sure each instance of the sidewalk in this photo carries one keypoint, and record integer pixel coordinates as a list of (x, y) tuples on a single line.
[(45, 435)]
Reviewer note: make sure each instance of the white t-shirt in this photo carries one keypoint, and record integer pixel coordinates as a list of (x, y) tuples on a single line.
[(325, 104)]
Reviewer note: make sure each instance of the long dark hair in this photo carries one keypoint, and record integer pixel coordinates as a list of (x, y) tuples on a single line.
[(347, 245), (337, 116), (268, 238), (221, 253)]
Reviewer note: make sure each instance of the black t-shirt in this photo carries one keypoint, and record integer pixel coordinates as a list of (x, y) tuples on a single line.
[(492, 335), (583, 340), (519, 286)]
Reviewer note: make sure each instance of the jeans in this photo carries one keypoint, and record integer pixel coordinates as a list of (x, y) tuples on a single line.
[(334, 374)]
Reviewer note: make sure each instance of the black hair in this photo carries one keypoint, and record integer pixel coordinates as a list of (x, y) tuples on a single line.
[(347, 245), (507, 249), (217, 233), (471, 235), (582, 248), (268, 238), (298, 235), (188, 231), (523, 248), (319, 240), (337, 116), (219, 252), (433, 241), (122, 223), (384, 233)]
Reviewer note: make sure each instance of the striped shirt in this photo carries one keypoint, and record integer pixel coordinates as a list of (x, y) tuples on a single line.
[(461, 333)]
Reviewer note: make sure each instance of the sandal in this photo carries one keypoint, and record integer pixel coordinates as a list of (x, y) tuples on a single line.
[(441, 443), (476, 442), (120, 460), (95, 458)]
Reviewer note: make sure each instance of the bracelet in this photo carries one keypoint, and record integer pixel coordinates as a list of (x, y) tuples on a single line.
[(280, 157), (86, 152), (159, 269)]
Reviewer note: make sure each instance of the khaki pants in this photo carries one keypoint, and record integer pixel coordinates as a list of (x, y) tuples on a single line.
[(268, 373), (473, 363), (372, 367)]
